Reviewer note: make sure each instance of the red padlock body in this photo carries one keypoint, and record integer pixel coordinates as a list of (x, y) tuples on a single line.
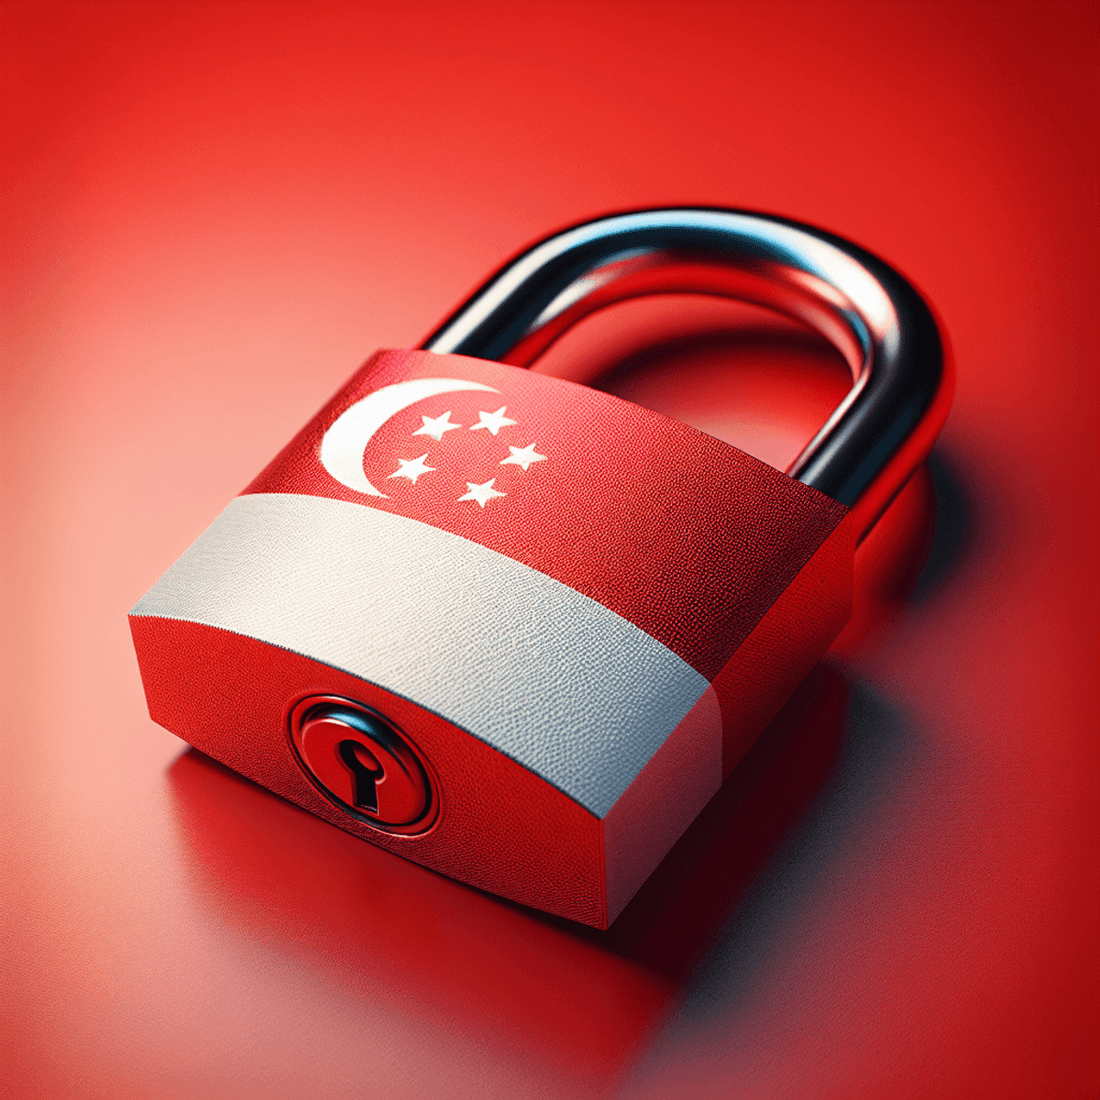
[(581, 613)]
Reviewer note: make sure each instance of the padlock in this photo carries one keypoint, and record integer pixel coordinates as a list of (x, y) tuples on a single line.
[(519, 630)]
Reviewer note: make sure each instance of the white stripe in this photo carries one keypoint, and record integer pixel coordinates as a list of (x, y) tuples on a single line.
[(548, 676)]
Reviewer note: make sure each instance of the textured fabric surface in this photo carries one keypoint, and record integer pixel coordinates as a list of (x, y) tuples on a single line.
[(544, 674)]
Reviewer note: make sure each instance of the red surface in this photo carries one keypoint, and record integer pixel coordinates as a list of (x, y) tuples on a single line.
[(216, 211)]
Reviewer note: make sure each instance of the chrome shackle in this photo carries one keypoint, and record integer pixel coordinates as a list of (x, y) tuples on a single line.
[(876, 319)]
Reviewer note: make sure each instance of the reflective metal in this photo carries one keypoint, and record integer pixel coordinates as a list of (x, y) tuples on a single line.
[(865, 308)]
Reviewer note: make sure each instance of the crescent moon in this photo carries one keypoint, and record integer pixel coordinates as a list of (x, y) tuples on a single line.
[(345, 442)]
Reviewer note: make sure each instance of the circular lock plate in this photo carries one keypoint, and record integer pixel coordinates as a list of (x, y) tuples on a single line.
[(362, 763)]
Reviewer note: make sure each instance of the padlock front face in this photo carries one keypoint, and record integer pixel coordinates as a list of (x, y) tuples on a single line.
[(496, 825), (536, 623)]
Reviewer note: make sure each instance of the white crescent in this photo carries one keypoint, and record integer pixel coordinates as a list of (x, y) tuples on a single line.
[(345, 442)]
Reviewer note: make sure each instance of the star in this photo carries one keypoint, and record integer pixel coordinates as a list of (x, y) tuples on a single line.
[(435, 426), (412, 468), (522, 456), (482, 493), (493, 421)]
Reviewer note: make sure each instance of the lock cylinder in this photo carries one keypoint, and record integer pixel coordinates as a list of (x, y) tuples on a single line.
[(519, 630), (363, 764)]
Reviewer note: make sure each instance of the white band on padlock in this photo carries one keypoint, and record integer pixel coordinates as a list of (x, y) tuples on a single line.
[(569, 689)]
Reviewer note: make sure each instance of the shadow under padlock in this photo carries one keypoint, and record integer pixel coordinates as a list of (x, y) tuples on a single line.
[(555, 1001), (535, 682)]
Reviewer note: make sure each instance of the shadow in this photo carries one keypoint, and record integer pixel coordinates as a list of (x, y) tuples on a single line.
[(877, 756), (778, 966), (761, 340), (954, 529), (916, 547)]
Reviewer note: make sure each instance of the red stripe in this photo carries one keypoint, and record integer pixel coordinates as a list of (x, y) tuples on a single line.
[(685, 536)]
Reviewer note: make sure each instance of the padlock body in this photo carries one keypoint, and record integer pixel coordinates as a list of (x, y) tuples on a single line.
[(576, 614)]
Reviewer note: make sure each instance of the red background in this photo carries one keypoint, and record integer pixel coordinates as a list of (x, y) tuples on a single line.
[(215, 212)]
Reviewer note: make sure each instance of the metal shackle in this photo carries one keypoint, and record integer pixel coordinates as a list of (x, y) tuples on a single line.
[(869, 312)]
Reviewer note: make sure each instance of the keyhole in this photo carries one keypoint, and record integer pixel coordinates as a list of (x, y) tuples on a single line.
[(359, 759), (363, 764)]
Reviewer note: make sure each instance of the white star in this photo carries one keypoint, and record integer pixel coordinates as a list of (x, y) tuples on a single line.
[(482, 493), (522, 456), (435, 426), (493, 421), (412, 468)]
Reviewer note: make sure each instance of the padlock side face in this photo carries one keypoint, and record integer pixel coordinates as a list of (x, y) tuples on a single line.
[(793, 635)]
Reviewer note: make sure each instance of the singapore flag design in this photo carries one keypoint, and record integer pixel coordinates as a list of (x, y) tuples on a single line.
[(585, 587), (344, 444)]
